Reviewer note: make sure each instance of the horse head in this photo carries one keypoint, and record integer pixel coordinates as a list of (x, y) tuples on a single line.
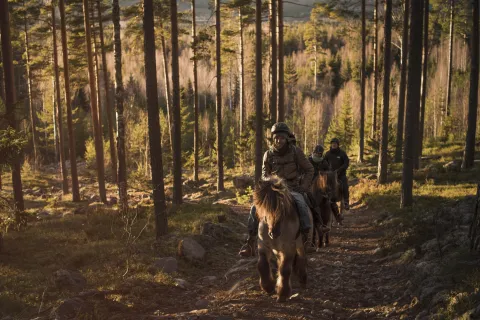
[(273, 201)]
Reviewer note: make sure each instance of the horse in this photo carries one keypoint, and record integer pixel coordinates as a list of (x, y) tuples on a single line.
[(325, 186), (279, 237)]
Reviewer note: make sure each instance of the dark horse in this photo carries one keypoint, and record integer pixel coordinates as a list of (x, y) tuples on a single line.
[(325, 187), (279, 237)]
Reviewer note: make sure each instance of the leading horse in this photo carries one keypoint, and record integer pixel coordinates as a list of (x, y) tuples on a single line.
[(279, 236)]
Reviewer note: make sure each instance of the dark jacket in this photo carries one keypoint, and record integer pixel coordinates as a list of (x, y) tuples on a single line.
[(320, 166), (338, 160), (290, 167)]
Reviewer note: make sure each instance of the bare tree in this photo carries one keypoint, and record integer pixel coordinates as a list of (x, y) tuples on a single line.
[(413, 102), (176, 124), (195, 95), (424, 83), (403, 84), (361, 143), (10, 99), (66, 76), (469, 154), (154, 132), (59, 104), (108, 107), (281, 71), (450, 59), (93, 102), (258, 90), (375, 70), (382, 159), (119, 92), (273, 60), (220, 186)]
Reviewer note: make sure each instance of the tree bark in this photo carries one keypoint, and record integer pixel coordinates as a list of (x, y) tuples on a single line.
[(362, 87), (273, 58), (176, 124), (97, 79), (220, 186), (66, 76), (10, 99), (258, 90), (450, 60), (413, 103), (168, 96), (281, 71), (154, 132), (196, 137), (375, 71), (59, 105), (469, 154), (106, 81), (240, 71), (93, 102), (119, 92), (31, 107), (383, 154), (424, 83), (403, 84)]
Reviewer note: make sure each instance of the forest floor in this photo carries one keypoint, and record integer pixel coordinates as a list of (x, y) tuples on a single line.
[(112, 267)]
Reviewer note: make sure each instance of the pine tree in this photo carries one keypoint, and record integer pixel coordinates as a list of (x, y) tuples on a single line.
[(259, 90), (341, 126)]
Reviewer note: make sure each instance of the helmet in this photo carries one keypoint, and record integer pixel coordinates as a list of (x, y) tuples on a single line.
[(318, 149), (280, 127), (335, 140)]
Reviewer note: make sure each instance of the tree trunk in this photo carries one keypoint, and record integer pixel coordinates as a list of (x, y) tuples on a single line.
[(220, 186), (122, 165), (413, 102), (196, 138), (273, 59), (362, 88), (59, 105), (66, 76), (113, 155), (258, 90), (469, 154), (281, 77), (383, 154), (10, 99), (403, 84), (154, 132), (375, 71), (424, 83), (176, 124), (97, 79), (168, 96), (240, 71), (450, 60), (31, 108), (93, 102)]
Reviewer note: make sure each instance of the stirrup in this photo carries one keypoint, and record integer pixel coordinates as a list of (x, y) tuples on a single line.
[(244, 248)]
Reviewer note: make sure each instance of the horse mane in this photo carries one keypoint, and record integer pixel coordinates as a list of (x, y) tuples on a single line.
[(326, 182), (272, 197)]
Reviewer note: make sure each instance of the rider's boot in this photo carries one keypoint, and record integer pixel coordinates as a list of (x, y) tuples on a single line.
[(247, 249), (347, 205), (323, 227), (336, 213)]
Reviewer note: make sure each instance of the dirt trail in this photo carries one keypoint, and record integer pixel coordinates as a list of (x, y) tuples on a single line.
[(346, 281)]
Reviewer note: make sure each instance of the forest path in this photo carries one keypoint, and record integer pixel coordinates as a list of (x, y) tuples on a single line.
[(347, 280)]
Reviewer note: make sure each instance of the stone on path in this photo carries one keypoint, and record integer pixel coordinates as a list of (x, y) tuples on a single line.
[(190, 249), (167, 265)]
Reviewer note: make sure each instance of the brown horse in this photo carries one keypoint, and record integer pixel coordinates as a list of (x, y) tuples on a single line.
[(324, 187), (279, 237)]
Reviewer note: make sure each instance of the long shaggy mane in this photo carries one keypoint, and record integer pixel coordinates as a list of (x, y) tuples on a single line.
[(326, 182), (272, 197)]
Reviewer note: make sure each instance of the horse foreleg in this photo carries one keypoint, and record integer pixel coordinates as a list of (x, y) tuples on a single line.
[(327, 239), (263, 266), (284, 286), (300, 268)]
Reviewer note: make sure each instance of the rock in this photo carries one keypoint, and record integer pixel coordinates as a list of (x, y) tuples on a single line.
[(360, 314), (190, 249), (201, 304), (216, 231), (328, 312), (43, 214), (208, 280), (453, 166), (182, 283), (221, 218), (167, 265), (69, 279), (338, 263), (243, 182), (378, 251), (74, 308)]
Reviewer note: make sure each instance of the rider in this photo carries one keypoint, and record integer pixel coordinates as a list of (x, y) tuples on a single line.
[(339, 162), (319, 163), (289, 163)]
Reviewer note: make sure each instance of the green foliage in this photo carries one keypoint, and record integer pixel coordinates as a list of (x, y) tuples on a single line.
[(246, 197), (11, 145), (342, 125)]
